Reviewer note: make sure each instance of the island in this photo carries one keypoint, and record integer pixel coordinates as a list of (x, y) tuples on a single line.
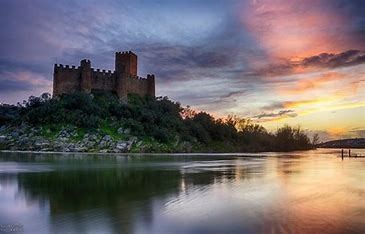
[(117, 112)]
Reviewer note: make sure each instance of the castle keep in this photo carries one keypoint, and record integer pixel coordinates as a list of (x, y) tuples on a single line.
[(122, 81)]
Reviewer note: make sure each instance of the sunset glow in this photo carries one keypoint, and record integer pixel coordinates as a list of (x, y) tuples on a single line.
[(274, 61)]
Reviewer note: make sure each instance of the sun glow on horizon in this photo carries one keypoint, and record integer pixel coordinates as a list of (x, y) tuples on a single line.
[(275, 62)]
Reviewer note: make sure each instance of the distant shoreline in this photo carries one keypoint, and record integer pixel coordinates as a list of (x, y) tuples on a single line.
[(162, 153), (350, 143)]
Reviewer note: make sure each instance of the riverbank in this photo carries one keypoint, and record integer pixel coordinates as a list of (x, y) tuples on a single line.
[(102, 123), (357, 152), (73, 139), (70, 139), (196, 154), (246, 154)]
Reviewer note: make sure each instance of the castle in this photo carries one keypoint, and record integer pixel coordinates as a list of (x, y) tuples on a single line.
[(122, 81)]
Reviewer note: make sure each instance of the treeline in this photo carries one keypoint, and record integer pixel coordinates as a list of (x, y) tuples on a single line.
[(154, 119)]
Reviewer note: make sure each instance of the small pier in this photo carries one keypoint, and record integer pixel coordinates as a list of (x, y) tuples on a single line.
[(349, 154)]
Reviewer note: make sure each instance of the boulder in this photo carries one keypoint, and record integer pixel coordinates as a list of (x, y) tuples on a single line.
[(2, 139), (105, 142), (93, 137), (106, 138), (46, 149), (41, 143), (122, 146), (66, 133)]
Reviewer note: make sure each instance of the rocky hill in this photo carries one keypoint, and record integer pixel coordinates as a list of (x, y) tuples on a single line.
[(344, 143), (82, 122)]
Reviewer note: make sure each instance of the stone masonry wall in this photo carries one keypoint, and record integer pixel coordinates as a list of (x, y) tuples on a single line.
[(65, 79), (103, 80), (122, 81)]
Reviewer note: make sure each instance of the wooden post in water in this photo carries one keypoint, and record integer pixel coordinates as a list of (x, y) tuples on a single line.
[(349, 153), (342, 154)]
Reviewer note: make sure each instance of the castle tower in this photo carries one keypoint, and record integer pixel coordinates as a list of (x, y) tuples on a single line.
[(85, 67), (56, 81), (126, 62), (125, 68), (151, 85)]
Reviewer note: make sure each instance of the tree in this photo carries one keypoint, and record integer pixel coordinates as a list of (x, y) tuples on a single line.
[(315, 139)]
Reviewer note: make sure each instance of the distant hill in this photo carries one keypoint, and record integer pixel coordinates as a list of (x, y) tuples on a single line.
[(344, 143)]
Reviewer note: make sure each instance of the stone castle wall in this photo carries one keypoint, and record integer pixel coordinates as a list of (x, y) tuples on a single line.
[(102, 80), (66, 79), (122, 81), (138, 85)]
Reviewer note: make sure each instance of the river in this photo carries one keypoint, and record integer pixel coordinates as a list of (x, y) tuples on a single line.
[(299, 192)]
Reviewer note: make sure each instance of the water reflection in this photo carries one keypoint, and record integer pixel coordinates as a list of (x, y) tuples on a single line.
[(311, 192)]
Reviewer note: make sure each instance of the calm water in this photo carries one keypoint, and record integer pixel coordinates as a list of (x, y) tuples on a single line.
[(303, 192)]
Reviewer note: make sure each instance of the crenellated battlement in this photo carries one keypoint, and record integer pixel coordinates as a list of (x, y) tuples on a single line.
[(61, 67), (150, 77), (138, 77), (124, 52), (102, 73), (123, 80), (85, 61)]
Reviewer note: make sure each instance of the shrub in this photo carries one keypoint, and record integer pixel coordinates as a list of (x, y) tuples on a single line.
[(158, 119)]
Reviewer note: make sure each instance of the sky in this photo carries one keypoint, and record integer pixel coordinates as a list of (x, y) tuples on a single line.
[(274, 61)]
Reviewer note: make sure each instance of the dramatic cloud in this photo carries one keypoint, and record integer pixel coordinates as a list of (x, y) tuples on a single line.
[(270, 116), (8, 85), (276, 60), (23, 83), (313, 63), (348, 58), (27, 79), (305, 85), (300, 29)]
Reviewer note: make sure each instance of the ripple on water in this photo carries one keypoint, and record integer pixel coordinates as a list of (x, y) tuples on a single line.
[(15, 167)]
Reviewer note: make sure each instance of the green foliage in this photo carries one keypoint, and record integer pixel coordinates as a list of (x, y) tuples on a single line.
[(162, 124), (110, 128), (8, 113), (50, 131), (289, 138)]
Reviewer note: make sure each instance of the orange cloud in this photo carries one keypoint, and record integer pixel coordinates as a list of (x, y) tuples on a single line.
[(323, 104), (349, 89), (301, 103), (272, 119), (337, 132), (323, 61), (305, 85), (295, 29), (292, 109)]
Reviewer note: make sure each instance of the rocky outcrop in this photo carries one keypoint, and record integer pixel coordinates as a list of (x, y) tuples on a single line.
[(29, 138)]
